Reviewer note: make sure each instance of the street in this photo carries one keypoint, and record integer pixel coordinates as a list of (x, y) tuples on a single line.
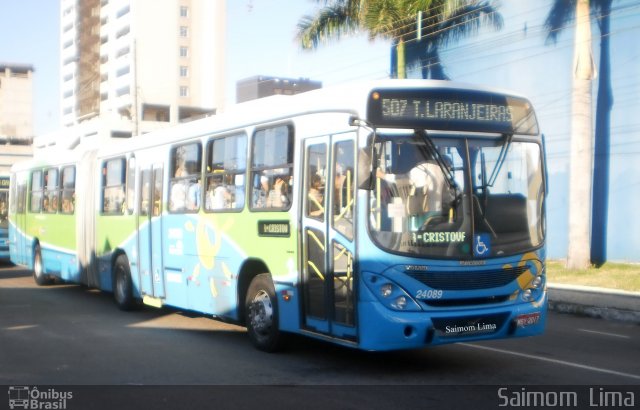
[(69, 335)]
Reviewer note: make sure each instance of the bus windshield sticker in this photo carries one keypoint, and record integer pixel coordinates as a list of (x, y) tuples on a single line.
[(482, 245)]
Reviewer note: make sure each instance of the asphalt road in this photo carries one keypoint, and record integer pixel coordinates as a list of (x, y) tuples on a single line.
[(68, 335)]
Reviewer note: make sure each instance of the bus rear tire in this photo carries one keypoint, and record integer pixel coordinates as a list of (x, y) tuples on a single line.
[(122, 284), (41, 278), (261, 315)]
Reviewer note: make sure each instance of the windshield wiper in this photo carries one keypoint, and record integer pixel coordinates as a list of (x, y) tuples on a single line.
[(433, 150), (503, 155)]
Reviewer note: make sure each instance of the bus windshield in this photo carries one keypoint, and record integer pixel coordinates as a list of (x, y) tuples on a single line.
[(452, 196)]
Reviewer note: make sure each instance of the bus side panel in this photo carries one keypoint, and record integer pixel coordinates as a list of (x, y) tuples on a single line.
[(114, 234), (57, 238)]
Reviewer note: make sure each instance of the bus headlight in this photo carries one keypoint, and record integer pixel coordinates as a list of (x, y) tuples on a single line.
[(527, 295), (536, 282), (389, 293), (386, 290), (400, 303)]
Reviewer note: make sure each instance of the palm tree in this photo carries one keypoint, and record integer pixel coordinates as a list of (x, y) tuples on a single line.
[(562, 12), (444, 24), (419, 27)]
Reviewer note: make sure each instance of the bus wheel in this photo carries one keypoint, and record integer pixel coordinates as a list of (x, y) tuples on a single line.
[(261, 310), (122, 285), (39, 276)]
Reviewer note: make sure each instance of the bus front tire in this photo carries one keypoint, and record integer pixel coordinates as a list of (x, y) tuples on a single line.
[(41, 278), (261, 314), (122, 285)]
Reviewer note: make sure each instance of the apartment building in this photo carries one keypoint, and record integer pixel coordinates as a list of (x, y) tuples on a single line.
[(16, 114), (131, 66), (16, 102), (261, 86)]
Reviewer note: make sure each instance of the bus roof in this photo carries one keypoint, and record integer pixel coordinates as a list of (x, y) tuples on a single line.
[(349, 99)]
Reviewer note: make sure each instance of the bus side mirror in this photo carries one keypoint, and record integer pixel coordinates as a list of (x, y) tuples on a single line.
[(365, 175)]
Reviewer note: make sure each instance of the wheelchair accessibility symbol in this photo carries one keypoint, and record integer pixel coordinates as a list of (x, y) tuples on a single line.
[(482, 245)]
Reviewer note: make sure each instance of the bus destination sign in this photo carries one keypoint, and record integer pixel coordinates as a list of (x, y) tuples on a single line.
[(4, 182), (458, 110)]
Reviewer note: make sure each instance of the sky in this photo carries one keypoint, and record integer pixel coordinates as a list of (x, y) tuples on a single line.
[(261, 41)]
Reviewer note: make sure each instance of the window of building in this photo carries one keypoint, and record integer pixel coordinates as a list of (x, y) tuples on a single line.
[(123, 31), (272, 168), (225, 173), (123, 11), (122, 91), (184, 11), (184, 91), (37, 189), (184, 51), (184, 31), (52, 191), (122, 51), (186, 168), (184, 71), (123, 71), (113, 186), (68, 184)]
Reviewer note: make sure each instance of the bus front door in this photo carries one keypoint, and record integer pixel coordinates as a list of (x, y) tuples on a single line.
[(328, 248), (150, 233)]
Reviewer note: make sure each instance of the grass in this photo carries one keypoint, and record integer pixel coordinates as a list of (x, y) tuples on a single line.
[(621, 276)]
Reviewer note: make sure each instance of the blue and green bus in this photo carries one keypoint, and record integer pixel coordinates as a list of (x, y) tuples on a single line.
[(387, 215), (4, 218)]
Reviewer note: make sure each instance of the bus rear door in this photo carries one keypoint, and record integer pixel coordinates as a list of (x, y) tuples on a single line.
[(328, 248)]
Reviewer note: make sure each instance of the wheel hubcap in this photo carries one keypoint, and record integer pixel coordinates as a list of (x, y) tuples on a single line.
[(261, 312)]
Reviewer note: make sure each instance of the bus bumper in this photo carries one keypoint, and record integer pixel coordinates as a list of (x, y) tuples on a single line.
[(382, 329)]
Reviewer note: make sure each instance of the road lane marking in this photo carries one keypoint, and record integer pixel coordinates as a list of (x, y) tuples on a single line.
[(605, 333), (555, 361)]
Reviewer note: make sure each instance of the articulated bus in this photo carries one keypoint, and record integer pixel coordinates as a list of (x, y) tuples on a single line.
[(387, 215), (4, 218)]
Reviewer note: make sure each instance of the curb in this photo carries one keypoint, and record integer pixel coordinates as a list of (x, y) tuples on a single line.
[(590, 301)]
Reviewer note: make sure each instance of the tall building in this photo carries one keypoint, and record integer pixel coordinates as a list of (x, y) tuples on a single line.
[(16, 102), (264, 86), (131, 66), (16, 114)]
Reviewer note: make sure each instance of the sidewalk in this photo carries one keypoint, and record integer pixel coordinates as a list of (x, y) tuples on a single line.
[(603, 303)]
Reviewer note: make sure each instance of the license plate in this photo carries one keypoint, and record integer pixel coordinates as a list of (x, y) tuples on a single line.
[(528, 320)]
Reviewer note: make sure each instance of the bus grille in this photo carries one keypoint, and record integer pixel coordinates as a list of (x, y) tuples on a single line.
[(469, 280)]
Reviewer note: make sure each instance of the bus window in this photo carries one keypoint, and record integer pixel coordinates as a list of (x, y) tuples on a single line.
[(226, 166), (21, 201), (186, 165), (113, 186), (131, 185), (317, 173), (4, 208), (157, 192), (145, 190), (271, 168), (51, 195), (68, 184), (344, 194), (36, 191)]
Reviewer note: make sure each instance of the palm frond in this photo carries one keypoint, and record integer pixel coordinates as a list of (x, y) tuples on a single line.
[(466, 21), (561, 13), (330, 23)]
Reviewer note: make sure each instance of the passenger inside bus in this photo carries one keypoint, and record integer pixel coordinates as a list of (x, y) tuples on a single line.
[(279, 195), (316, 197)]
